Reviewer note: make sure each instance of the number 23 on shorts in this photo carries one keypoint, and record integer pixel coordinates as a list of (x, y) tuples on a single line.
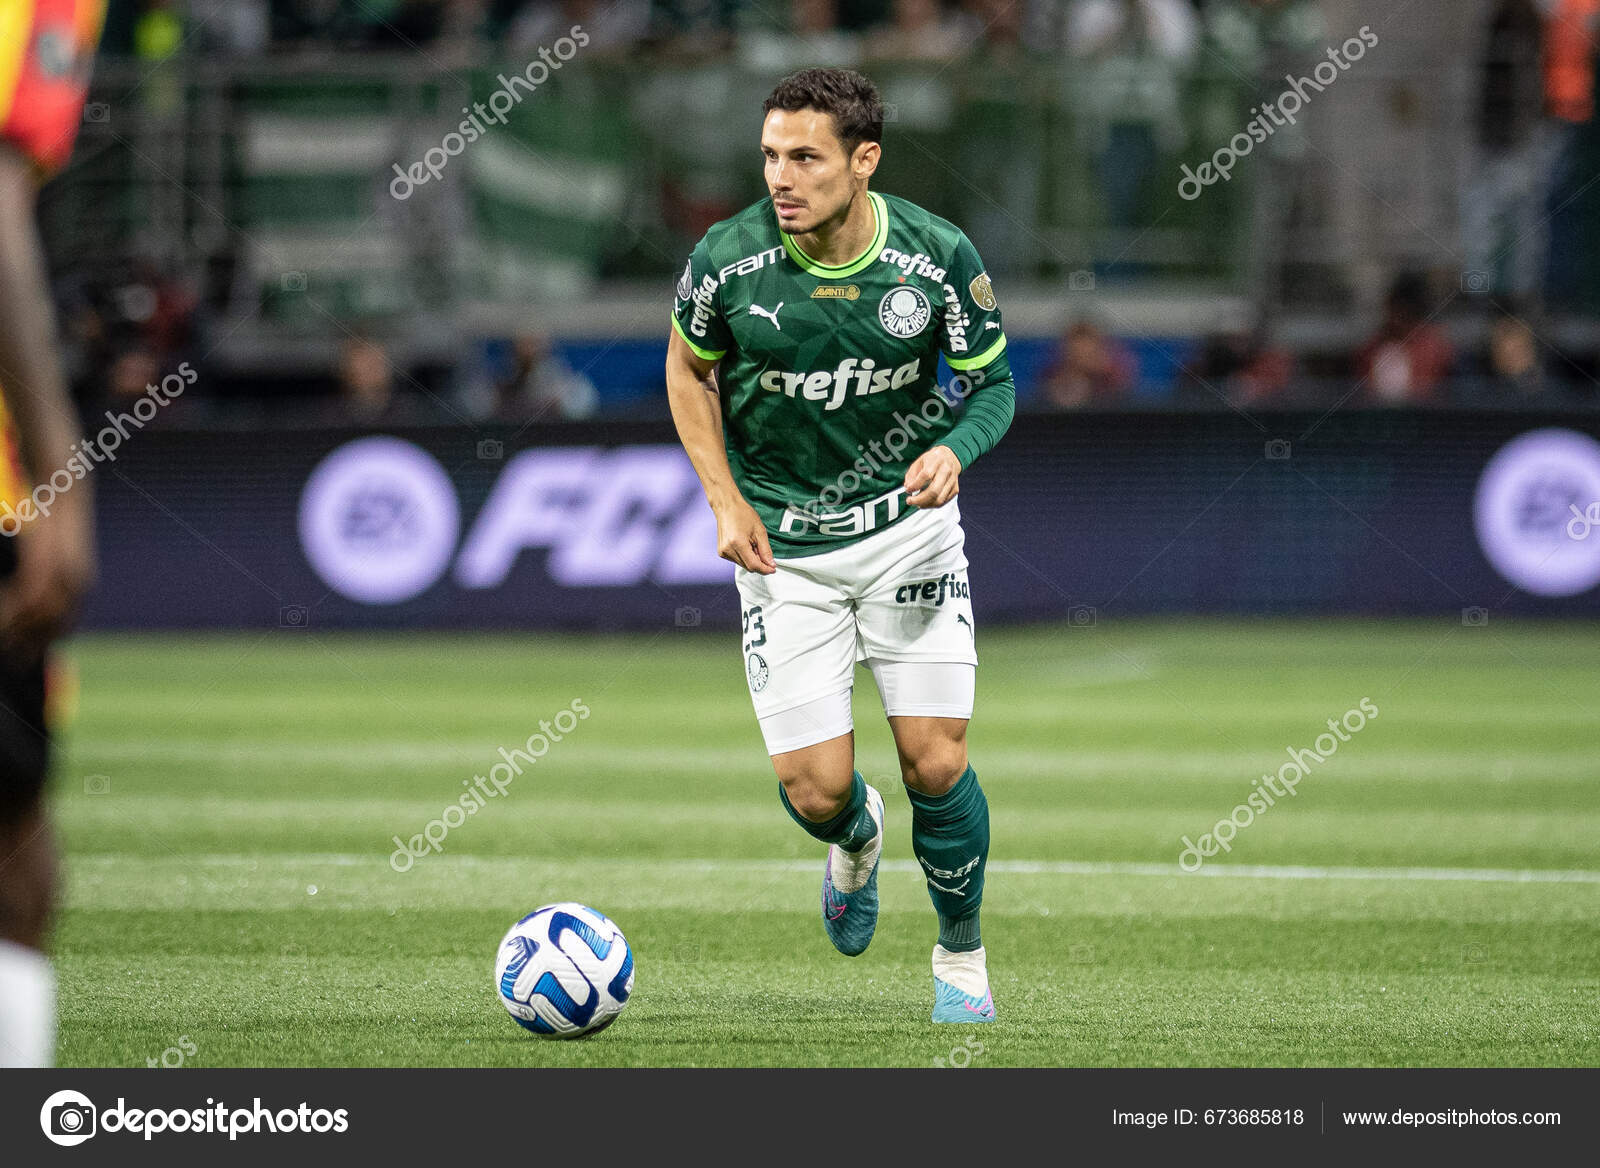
[(752, 622)]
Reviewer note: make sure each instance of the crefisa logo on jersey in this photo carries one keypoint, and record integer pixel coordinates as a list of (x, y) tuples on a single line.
[(956, 320), (904, 311), (911, 265)]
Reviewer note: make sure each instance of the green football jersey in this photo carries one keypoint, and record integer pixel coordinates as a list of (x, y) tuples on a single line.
[(828, 375)]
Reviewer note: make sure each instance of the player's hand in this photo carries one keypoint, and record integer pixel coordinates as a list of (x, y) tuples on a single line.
[(55, 566), (742, 538), (934, 479)]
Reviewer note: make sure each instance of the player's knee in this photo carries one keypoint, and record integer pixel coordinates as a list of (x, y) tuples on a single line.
[(815, 801), (935, 768)]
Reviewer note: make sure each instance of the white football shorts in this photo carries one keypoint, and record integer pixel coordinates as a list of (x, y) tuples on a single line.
[(898, 600)]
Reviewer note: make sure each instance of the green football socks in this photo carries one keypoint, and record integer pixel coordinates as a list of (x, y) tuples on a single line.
[(950, 835)]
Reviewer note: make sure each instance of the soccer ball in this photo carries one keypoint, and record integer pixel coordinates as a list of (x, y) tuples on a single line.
[(564, 970)]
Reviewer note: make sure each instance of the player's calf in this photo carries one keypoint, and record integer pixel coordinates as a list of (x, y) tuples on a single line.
[(950, 834), (27, 982), (28, 872)]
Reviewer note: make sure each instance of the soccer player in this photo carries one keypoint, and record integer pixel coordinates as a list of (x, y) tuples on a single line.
[(46, 562), (802, 375)]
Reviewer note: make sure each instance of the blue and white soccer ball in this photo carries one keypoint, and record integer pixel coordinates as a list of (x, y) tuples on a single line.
[(564, 970)]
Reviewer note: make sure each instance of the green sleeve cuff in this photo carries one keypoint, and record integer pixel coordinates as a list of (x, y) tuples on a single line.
[(703, 354), (962, 364)]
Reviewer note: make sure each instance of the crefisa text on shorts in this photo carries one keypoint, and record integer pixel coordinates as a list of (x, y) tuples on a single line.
[(949, 584)]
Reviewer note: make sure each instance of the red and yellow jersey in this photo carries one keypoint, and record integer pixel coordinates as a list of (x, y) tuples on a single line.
[(13, 481), (1569, 54), (46, 51)]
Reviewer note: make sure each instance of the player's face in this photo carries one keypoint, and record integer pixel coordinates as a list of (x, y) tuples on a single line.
[(809, 176)]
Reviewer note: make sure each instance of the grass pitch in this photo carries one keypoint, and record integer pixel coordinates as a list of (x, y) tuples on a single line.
[(1428, 896)]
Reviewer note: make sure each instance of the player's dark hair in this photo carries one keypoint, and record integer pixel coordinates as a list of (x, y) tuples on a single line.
[(845, 95)]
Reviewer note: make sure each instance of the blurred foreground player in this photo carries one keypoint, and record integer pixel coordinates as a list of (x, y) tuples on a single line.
[(46, 562)]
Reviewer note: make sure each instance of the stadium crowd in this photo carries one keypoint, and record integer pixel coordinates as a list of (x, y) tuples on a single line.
[(1477, 324)]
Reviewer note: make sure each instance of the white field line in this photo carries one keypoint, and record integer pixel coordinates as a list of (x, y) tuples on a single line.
[(476, 756), (1017, 867)]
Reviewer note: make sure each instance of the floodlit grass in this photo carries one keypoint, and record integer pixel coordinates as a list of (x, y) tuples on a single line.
[(233, 885)]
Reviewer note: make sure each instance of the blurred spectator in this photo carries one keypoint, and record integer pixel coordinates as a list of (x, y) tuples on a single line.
[(921, 30), (541, 385), (1511, 367), (1003, 25), (1569, 59), (366, 382), (158, 32), (1536, 86), (612, 26), (131, 372), (159, 306), (1133, 53), (1263, 39), (237, 28), (1569, 85), (1259, 43), (1515, 148), (814, 34), (1407, 359), (694, 26), (813, 17), (1166, 29), (389, 24), (84, 336), (856, 16), (157, 38), (1238, 367), (293, 20), (1090, 368), (412, 24), (114, 317)]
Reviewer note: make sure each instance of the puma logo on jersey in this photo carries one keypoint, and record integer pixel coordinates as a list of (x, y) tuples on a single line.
[(757, 310), (832, 385)]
